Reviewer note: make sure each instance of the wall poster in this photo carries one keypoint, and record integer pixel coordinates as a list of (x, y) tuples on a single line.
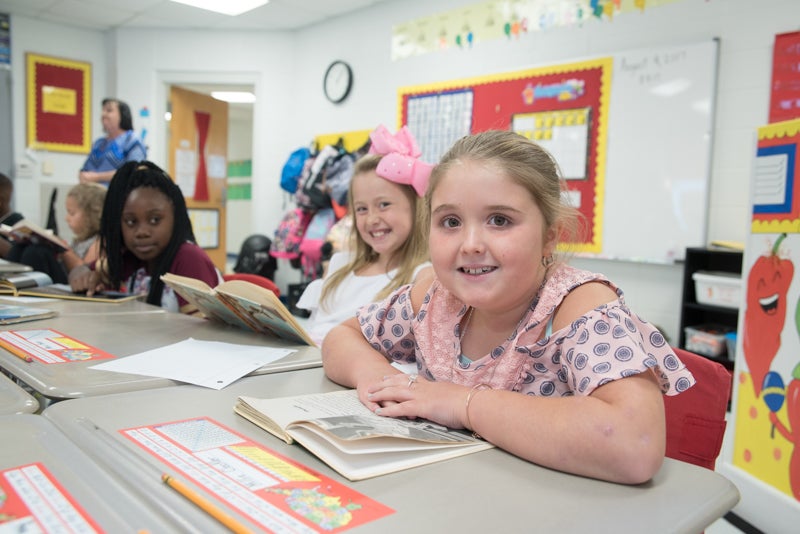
[(767, 372), (58, 111)]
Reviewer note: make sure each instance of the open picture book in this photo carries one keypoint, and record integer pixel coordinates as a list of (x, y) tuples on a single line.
[(353, 441), (38, 284), (241, 304), (28, 232)]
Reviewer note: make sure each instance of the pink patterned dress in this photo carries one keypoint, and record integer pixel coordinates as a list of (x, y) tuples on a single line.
[(605, 344)]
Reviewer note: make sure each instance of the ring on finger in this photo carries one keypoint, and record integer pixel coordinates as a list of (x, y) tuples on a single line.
[(412, 379)]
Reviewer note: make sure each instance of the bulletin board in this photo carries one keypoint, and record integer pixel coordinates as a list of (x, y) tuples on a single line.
[(58, 112), (631, 133)]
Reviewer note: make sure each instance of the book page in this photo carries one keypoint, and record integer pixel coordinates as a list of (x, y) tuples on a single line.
[(362, 466), (266, 320), (26, 231), (342, 415), (205, 299), (28, 280)]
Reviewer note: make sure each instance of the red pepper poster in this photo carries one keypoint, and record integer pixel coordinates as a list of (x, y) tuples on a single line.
[(785, 90), (58, 110), (564, 108), (767, 378)]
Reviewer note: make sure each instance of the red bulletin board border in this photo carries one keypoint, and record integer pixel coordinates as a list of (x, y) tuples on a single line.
[(497, 98), (58, 114)]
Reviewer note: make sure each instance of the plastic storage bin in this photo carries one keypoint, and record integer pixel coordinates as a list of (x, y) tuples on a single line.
[(707, 340), (717, 288), (730, 339)]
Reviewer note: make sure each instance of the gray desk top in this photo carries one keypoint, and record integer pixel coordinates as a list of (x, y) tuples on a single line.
[(14, 399), (123, 334), (509, 494), (78, 307), (113, 506)]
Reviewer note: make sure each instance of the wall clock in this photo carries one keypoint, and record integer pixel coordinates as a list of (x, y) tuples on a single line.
[(338, 81)]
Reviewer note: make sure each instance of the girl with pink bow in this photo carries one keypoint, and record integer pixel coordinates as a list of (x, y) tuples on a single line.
[(389, 247)]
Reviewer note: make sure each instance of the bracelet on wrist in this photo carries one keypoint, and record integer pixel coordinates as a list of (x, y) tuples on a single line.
[(472, 392)]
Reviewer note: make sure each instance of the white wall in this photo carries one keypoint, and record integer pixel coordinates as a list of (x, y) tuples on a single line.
[(70, 43)]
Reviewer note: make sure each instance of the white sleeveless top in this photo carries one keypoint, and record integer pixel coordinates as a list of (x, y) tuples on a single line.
[(353, 293)]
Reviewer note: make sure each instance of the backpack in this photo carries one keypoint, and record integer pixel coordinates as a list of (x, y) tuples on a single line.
[(293, 169), (313, 239), (289, 234), (254, 257), (312, 191)]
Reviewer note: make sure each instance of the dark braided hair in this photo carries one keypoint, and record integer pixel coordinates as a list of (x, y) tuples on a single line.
[(133, 175)]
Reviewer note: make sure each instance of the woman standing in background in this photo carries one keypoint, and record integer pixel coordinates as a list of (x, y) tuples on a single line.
[(119, 145)]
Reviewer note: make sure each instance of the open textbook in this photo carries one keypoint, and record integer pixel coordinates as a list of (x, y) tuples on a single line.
[(27, 232), (355, 442), (38, 284), (241, 304)]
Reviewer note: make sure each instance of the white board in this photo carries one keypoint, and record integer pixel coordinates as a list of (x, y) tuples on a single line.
[(661, 117)]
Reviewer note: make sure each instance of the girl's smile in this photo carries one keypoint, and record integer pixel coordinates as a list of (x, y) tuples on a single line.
[(383, 213), (482, 244)]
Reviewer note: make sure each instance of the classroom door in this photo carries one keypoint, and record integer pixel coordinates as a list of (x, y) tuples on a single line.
[(198, 161)]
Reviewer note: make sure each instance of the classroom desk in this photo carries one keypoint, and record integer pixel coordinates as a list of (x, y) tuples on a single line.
[(504, 493), (80, 307), (124, 334), (14, 399), (29, 439)]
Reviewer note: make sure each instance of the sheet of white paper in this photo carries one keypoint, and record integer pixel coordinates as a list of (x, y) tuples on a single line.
[(209, 364)]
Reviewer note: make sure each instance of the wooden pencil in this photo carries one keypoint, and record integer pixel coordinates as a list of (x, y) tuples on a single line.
[(204, 504)]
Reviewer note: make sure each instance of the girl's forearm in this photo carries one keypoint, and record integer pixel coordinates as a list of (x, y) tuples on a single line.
[(348, 359)]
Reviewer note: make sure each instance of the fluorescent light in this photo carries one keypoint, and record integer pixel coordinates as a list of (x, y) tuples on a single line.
[(226, 7), (235, 97)]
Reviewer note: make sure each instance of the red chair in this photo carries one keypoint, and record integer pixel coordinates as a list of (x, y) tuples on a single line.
[(256, 279), (696, 418)]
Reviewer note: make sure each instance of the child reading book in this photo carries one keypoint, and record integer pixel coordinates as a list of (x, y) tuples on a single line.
[(84, 204), (541, 359), (145, 232)]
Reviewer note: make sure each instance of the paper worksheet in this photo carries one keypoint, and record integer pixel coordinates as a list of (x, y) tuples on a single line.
[(210, 364)]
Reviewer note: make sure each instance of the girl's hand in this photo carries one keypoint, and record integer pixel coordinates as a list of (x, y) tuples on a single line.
[(365, 386), (82, 278), (412, 396)]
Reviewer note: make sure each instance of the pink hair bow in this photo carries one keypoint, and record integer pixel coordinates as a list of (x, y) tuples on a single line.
[(400, 162)]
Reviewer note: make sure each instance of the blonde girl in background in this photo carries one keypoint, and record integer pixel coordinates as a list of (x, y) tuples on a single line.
[(388, 245), (84, 205)]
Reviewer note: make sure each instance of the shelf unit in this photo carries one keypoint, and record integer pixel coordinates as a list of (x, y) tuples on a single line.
[(692, 312)]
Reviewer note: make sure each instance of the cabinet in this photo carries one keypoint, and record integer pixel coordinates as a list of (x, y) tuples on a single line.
[(694, 313)]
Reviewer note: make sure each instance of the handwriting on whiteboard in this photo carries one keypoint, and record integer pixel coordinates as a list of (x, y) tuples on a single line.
[(652, 68)]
